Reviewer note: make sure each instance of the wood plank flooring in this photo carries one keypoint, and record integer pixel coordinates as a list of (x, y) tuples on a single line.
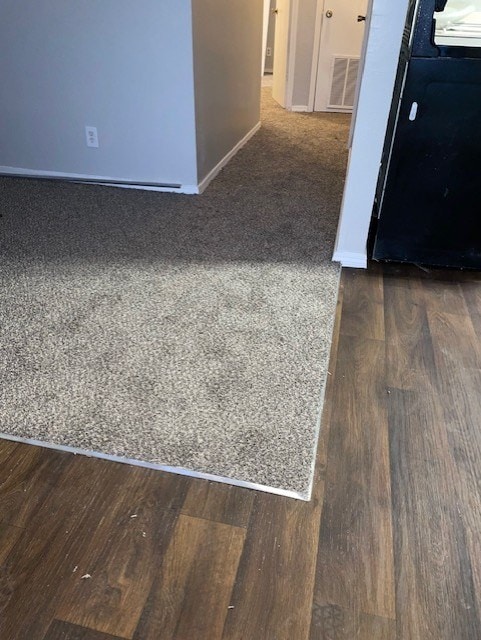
[(389, 547)]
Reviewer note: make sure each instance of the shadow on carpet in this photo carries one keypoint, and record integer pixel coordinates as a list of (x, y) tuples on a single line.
[(185, 332)]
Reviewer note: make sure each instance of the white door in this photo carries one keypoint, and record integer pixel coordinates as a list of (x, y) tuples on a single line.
[(342, 35), (281, 49)]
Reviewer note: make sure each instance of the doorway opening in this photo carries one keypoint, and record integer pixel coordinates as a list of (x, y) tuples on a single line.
[(313, 49), (308, 42), (269, 38)]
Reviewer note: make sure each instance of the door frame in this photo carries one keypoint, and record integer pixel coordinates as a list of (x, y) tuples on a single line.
[(316, 53), (291, 51), (291, 45), (382, 51), (291, 54), (362, 65)]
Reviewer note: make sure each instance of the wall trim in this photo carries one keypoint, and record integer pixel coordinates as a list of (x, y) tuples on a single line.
[(291, 51), (316, 52), (349, 259), (17, 172), (108, 181), (383, 47), (300, 108), (212, 174)]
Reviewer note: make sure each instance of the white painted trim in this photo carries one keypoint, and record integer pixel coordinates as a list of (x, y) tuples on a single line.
[(362, 64), (159, 467), (337, 110), (108, 181), (300, 108), (186, 189), (189, 189), (212, 174), (316, 52), (291, 51), (347, 259), (102, 180), (383, 48)]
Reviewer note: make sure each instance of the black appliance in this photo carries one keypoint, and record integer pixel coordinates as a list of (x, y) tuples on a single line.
[(430, 190)]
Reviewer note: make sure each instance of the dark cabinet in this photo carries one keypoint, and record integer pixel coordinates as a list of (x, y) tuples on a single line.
[(430, 211)]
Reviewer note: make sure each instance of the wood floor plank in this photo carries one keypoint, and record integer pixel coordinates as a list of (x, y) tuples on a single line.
[(272, 597), (126, 547), (26, 478), (462, 413), (331, 622), (355, 559), (457, 354), (191, 596), (474, 551), (408, 340), (44, 556), (471, 291), (60, 630), (443, 293), (9, 536), (435, 593), (219, 503), (456, 345), (363, 311), (7, 447), (57, 538)]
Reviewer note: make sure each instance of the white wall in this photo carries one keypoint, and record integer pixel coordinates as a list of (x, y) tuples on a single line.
[(122, 66), (227, 65), (382, 56)]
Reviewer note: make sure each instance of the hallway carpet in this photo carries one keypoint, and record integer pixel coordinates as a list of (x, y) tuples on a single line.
[(186, 332)]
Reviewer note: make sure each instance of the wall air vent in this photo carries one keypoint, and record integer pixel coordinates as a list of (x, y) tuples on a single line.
[(343, 83)]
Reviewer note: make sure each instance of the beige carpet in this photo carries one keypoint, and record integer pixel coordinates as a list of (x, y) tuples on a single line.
[(187, 332)]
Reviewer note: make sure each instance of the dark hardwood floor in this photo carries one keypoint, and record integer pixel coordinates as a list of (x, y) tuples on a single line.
[(389, 548)]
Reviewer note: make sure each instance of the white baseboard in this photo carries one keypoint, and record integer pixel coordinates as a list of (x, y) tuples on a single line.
[(349, 259), (108, 181), (186, 189), (300, 108), (102, 180), (212, 174)]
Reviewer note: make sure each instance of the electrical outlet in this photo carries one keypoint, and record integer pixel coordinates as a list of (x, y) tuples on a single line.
[(92, 137), (269, 52)]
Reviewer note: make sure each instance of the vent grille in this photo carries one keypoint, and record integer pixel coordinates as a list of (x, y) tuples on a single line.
[(343, 82)]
